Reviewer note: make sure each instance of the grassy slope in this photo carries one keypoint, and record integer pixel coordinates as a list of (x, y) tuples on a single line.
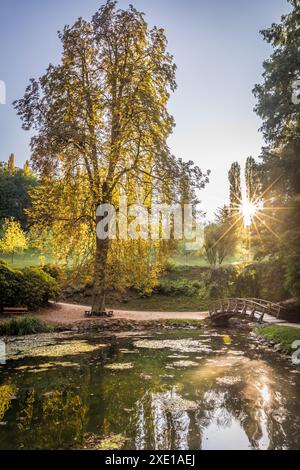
[(283, 335), (27, 258), (187, 268), (160, 303)]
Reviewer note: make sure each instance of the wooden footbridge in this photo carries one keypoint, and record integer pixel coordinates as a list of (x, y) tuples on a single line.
[(221, 310)]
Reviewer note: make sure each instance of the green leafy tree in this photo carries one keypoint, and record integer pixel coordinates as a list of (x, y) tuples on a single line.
[(101, 123), (15, 197), (13, 238), (220, 238), (279, 108)]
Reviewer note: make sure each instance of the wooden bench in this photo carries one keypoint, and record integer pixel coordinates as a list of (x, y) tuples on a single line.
[(89, 313), (13, 310)]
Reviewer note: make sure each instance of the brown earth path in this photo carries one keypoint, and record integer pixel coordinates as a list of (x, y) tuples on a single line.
[(71, 313)]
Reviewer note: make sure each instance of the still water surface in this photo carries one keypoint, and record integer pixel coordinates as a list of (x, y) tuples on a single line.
[(180, 389)]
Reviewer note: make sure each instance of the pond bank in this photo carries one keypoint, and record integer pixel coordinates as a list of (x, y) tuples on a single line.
[(280, 337)]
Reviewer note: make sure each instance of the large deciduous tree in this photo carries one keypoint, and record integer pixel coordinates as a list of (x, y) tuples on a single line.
[(279, 107), (101, 126)]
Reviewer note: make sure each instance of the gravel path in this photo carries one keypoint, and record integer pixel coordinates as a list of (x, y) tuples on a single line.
[(70, 313)]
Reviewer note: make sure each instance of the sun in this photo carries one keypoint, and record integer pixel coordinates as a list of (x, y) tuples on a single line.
[(248, 210)]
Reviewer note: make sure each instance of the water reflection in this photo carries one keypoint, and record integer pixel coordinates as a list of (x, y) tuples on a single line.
[(233, 397)]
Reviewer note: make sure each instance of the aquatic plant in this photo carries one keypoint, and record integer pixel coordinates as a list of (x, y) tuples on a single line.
[(24, 326)]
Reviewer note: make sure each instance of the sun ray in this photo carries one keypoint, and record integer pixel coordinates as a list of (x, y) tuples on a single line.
[(227, 231), (269, 228), (257, 231), (272, 217)]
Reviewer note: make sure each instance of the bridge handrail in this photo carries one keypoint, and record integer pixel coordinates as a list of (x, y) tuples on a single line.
[(260, 305)]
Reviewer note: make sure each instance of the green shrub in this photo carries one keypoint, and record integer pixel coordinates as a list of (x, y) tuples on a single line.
[(30, 287), (23, 326), (10, 281), (179, 287), (54, 271), (263, 280), (292, 276), (37, 287), (219, 282), (247, 283), (170, 266)]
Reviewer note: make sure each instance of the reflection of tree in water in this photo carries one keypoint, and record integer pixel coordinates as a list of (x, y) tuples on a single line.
[(259, 402), (7, 394), (224, 396), (158, 425), (54, 421), (256, 408), (48, 413)]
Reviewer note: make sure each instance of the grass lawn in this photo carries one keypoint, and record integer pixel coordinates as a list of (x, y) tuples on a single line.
[(199, 261), (29, 257), (284, 335), (161, 303)]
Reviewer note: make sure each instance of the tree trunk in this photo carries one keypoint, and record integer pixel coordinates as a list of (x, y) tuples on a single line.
[(99, 290), (100, 269)]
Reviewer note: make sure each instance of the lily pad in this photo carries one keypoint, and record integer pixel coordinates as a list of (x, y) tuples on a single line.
[(146, 376), (228, 380), (182, 345), (72, 348), (119, 366), (183, 364), (178, 404)]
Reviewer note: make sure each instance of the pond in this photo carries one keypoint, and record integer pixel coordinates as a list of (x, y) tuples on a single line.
[(170, 389)]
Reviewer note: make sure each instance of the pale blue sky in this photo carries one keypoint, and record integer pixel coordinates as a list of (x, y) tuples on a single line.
[(217, 48)]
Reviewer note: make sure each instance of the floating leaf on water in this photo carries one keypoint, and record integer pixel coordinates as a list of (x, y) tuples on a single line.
[(38, 370), (228, 380), (177, 404), (177, 356), (72, 348), (127, 334), (127, 351), (227, 340), (146, 376), (185, 363), (182, 345), (119, 366)]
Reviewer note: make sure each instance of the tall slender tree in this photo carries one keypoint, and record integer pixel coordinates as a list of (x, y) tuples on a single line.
[(11, 164), (252, 179), (235, 189)]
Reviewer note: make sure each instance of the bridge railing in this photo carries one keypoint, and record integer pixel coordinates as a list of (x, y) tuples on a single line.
[(243, 306)]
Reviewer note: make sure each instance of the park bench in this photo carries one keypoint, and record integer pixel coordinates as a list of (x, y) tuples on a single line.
[(14, 310), (89, 313)]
